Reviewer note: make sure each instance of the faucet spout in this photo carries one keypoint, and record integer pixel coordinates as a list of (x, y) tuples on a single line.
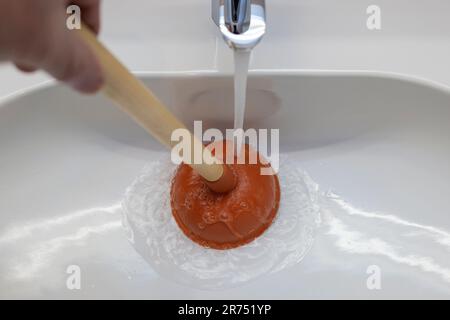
[(241, 22), (237, 15)]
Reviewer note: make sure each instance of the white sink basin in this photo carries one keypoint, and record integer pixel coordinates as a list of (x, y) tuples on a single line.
[(378, 147)]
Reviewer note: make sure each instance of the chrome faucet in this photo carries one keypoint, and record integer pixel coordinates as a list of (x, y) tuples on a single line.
[(241, 22)]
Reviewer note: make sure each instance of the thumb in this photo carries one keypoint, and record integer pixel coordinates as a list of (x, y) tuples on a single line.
[(71, 60)]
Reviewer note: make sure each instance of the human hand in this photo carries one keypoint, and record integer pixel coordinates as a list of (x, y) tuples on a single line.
[(33, 35)]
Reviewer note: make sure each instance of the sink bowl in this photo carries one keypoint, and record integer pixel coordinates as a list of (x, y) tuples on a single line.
[(377, 146)]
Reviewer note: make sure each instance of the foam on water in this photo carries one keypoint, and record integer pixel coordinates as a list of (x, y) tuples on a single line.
[(155, 235), (423, 250)]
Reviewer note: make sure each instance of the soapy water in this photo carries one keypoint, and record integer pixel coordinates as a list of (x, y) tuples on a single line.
[(154, 233)]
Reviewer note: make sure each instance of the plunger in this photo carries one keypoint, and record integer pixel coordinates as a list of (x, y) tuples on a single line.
[(216, 205)]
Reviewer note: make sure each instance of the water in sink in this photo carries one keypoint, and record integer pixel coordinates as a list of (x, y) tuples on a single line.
[(381, 144), (155, 235)]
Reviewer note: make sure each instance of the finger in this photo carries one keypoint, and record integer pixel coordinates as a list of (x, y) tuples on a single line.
[(72, 61), (25, 67)]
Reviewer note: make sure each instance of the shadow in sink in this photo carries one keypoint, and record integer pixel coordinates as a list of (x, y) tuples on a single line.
[(56, 112), (311, 111)]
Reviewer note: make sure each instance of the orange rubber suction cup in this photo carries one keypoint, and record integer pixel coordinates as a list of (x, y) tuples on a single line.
[(225, 220)]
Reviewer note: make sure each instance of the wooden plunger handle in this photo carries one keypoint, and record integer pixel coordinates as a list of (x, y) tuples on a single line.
[(141, 104)]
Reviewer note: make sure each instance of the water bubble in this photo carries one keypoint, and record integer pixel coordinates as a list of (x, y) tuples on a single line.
[(164, 246)]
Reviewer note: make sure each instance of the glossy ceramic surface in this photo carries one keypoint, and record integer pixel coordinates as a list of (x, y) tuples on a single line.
[(376, 145)]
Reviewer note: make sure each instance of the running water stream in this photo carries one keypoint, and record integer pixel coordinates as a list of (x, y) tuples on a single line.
[(241, 64)]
